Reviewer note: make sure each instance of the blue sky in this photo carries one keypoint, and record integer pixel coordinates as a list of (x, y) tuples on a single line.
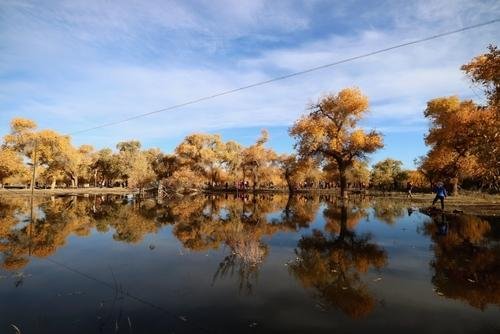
[(70, 65)]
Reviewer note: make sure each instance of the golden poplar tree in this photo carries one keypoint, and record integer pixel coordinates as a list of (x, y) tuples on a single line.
[(10, 164), (451, 140), (330, 133), (485, 70)]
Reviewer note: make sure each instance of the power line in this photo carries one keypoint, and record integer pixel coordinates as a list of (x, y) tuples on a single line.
[(290, 75), (126, 293)]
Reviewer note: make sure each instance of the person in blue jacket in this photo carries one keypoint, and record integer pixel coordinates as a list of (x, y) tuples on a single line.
[(440, 194)]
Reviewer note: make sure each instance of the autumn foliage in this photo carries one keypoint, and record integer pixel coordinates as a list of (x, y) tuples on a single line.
[(464, 136), (466, 256), (329, 133), (331, 151)]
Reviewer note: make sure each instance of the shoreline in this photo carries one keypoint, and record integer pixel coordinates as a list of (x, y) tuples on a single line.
[(487, 205), (67, 192), (475, 204)]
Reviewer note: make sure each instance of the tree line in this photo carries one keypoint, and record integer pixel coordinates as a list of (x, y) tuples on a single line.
[(330, 150)]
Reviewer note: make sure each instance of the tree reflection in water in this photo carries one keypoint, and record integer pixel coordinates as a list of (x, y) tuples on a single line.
[(202, 223), (13, 213), (330, 262), (55, 220), (46, 232), (299, 211), (240, 224), (388, 210), (466, 260)]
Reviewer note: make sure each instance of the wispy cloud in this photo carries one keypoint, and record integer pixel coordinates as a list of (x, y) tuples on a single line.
[(75, 64)]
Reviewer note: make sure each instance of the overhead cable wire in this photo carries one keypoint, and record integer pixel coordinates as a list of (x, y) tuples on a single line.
[(287, 76), (179, 319)]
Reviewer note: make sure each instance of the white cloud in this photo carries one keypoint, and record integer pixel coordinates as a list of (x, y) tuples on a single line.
[(81, 64)]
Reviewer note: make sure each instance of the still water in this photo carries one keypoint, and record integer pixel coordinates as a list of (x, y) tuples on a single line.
[(265, 264)]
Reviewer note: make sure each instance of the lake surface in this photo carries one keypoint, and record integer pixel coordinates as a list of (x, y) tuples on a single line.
[(265, 264)]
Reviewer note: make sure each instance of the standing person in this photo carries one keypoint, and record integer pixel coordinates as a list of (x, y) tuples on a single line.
[(409, 188), (440, 194)]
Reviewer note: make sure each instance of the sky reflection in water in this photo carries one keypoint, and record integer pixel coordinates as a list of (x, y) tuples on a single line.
[(261, 264)]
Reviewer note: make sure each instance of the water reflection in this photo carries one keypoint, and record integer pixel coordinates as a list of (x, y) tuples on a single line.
[(41, 234), (240, 224), (466, 264), (331, 259), (387, 210), (330, 262), (299, 211)]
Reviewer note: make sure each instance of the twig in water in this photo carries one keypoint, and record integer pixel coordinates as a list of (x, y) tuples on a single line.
[(129, 324), (18, 331)]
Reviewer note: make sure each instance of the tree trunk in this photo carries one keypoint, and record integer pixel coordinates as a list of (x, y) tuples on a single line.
[(74, 181), (53, 185), (289, 183), (287, 207), (454, 183), (343, 223), (244, 173), (254, 180), (343, 181), (212, 178)]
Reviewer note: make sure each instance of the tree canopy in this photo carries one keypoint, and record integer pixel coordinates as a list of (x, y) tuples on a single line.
[(331, 151), (329, 132)]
